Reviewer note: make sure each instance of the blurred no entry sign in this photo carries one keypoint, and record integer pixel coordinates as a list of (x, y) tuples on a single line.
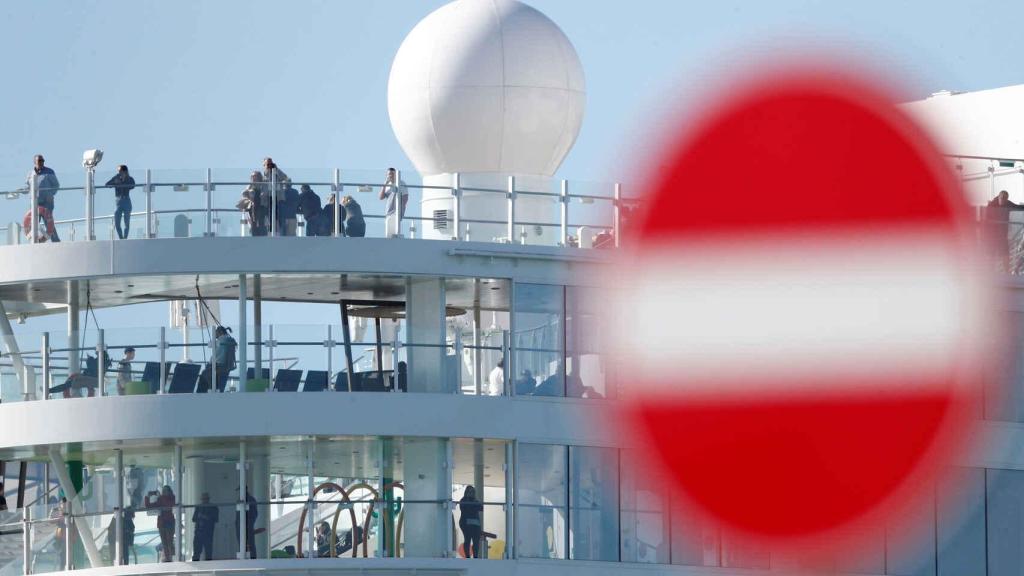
[(801, 330)]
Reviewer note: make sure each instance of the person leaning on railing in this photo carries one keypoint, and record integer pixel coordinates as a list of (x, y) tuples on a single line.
[(309, 207), (997, 220), (355, 224), (252, 204)]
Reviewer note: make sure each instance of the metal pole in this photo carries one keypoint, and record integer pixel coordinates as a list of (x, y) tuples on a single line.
[(26, 541), (509, 499), (33, 193), (243, 332), (209, 202), (337, 202), (511, 209), (347, 340), (456, 205), (242, 503), (45, 351), (329, 346), (273, 202), (457, 385), (162, 346), (90, 204), (213, 365), (149, 203), (179, 517), (101, 353), (617, 217), (311, 504), (395, 347), (477, 342), (257, 327), (564, 211), (119, 518), (399, 202), (270, 353), (506, 354)]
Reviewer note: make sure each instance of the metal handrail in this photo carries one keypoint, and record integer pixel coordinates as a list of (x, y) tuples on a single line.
[(461, 229)]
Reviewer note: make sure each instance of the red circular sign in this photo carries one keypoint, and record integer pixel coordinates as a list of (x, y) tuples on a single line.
[(801, 329)]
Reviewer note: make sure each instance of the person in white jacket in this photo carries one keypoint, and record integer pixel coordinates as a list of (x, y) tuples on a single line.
[(496, 381)]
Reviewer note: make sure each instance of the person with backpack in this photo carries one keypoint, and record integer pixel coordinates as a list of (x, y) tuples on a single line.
[(224, 355), (123, 184)]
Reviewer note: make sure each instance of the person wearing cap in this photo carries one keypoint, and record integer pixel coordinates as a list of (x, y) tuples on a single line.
[(204, 519), (47, 185), (124, 369)]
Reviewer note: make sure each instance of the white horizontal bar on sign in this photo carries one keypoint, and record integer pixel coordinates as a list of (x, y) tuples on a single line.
[(798, 309)]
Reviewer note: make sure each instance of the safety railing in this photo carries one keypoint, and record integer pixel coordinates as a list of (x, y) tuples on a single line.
[(198, 203), (295, 358), (279, 358)]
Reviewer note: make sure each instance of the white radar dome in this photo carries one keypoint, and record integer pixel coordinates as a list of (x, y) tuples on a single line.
[(486, 86)]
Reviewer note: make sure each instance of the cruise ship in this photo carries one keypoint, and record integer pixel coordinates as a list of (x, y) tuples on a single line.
[(440, 419)]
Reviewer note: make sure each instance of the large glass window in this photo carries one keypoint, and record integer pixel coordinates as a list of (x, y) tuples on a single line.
[(543, 501), (478, 498), (645, 514), (539, 340), (1005, 522), (587, 370), (960, 523), (594, 503)]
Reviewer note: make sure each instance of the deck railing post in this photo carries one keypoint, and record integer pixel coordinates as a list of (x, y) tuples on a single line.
[(564, 213), (511, 231), (33, 193), (336, 188), (209, 202), (149, 204), (101, 354), (617, 214), (456, 205)]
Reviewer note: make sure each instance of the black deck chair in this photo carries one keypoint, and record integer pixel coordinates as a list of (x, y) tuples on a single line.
[(316, 381), (372, 381), (183, 379), (250, 373), (287, 380), (151, 374)]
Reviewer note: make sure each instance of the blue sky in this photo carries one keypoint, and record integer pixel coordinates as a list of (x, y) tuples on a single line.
[(221, 84)]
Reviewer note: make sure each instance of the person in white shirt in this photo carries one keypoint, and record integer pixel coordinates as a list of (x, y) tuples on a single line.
[(496, 380)]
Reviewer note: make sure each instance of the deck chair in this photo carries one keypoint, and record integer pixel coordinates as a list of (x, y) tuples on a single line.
[(250, 373), (341, 382), (372, 381), (287, 380), (183, 379), (316, 381), (151, 374)]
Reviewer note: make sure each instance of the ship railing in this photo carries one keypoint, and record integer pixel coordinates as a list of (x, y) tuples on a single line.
[(292, 358), (204, 203)]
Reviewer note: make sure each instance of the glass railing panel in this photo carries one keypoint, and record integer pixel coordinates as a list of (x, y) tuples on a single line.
[(48, 551), (481, 530), (210, 533), (11, 542)]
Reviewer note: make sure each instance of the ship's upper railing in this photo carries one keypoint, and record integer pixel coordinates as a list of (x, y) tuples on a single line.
[(205, 202)]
